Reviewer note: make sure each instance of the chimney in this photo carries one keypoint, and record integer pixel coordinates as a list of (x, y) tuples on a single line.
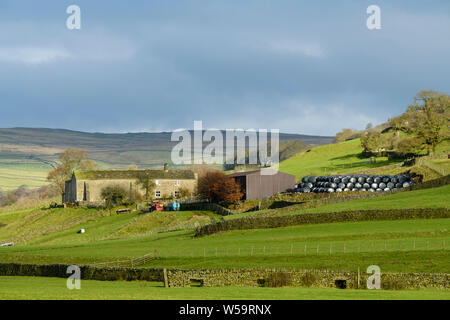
[(166, 167)]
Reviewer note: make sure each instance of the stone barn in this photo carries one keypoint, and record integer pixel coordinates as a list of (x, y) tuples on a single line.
[(87, 186), (258, 186)]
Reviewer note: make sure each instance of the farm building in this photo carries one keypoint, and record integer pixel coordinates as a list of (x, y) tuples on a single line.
[(258, 186), (87, 186)]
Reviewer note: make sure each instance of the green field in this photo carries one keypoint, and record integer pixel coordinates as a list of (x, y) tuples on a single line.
[(345, 157), (55, 288), (16, 171), (49, 236), (60, 226), (331, 159), (427, 198)]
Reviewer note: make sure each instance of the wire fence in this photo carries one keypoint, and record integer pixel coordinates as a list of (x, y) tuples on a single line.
[(127, 263), (309, 248)]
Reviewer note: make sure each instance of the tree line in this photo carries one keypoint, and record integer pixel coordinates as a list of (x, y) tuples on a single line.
[(417, 131)]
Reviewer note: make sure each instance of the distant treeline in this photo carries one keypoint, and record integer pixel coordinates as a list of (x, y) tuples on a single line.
[(22, 193)]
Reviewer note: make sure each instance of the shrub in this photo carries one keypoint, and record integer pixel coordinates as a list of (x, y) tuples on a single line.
[(345, 134), (278, 279), (9, 199), (410, 146), (184, 192), (114, 195)]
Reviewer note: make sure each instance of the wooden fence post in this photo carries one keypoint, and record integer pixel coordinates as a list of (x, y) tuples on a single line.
[(166, 280), (359, 277)]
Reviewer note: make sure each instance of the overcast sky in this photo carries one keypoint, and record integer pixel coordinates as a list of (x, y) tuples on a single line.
[(307, 67)]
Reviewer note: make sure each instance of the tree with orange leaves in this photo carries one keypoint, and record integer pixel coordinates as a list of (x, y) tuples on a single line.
[(215, 186), (69, 161)]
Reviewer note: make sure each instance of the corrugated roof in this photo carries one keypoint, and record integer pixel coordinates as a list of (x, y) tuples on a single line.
[(241, 174), (247, 173), (133, 174)]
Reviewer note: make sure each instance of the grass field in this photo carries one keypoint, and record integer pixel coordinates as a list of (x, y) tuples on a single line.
[(21, 170), (49, 226), (343, 158), (55, 288), (398, 246), (427, 198), (330, 159)]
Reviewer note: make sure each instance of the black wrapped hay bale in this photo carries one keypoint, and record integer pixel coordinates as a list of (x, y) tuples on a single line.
[(345, 183)]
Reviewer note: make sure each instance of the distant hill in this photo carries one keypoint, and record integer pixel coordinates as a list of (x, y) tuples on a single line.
[(27, 154)]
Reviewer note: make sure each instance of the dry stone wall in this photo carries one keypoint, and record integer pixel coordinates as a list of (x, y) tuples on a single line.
[(303, 278), (234, 277)]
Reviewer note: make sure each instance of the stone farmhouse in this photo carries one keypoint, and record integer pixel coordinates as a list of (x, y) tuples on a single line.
[(87, 186)]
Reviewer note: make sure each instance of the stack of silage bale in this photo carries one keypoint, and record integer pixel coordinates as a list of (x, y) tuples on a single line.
[(359, 182)]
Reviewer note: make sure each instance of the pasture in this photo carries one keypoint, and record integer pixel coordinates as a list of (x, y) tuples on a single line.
[(14, 288), (397, 246), (329, 159)]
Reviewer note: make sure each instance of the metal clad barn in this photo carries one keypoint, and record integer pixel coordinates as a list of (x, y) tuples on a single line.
[(258, 186)]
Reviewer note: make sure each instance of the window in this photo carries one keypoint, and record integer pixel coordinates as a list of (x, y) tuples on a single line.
[(177, 193), (177, 182), (157, 182), (157, 193)]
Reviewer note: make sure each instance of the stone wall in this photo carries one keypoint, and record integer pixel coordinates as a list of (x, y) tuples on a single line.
[(263, 222), (303, 278), (234, 277), (87, 272)]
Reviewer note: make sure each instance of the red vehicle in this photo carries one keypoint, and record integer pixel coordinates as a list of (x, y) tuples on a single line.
[(159, 206), (156, 206)]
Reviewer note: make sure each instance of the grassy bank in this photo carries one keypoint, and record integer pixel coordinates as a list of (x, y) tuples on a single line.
[(331, 159), (427, 198), (55, 288)]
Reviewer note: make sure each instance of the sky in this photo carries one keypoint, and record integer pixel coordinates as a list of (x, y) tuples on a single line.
[(309, 67)]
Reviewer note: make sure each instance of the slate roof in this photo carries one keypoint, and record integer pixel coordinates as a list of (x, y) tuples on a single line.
[(133, 174)]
